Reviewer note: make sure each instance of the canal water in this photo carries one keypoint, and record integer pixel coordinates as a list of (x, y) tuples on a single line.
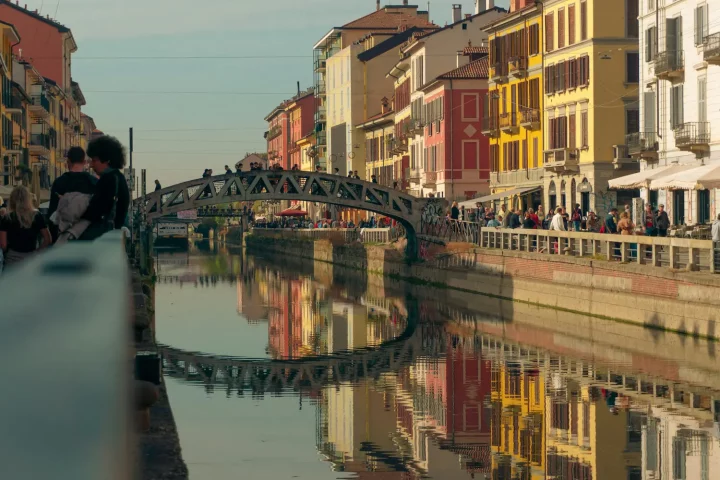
[(278, 368)]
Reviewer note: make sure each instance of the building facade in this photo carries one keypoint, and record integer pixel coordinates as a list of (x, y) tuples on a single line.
[(11, 111), (512, 118), (378, 132), (590, 102), (676, 144), (301, 114), (278, 136)]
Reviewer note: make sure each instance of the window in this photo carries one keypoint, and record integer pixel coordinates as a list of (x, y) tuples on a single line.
[(583, 21), (549, 32), (572, 141), (632, 120), (649, 113), (561, 28), (560, 71), (583, 68), (534, 39), (651, 44), (572, 74), (679, 452), (557, 136), (676, 106), (534, 94), (585, 140), (494, 158), (632, 67), (702, 99), (631, 18), (525, 155), (703, 206), (701, 24), (571, 24), (536, 153)]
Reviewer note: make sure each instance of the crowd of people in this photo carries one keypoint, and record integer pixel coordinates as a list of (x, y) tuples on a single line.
[(654, 223), (83, 204)]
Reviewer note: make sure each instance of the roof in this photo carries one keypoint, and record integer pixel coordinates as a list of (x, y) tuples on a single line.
[(376, 120), (14, 30), (61, 28), (479, 69), (386, 45), (390, 17), (513, 15), (474, 50)]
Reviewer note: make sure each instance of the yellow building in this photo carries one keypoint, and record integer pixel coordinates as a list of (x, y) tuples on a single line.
[(400, 144), (512, 116), (378, 133), (10, 149), (517, 425), (591, 73)]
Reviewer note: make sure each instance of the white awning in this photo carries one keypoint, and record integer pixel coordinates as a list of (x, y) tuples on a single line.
[(497, 196), (644, 178), (691, 178)]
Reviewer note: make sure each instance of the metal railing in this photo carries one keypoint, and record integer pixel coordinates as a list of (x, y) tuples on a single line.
[(41, 101), (668, 62), (711, 47), (529, 116), (517, 65), (508, 121), (449, 230), (692, 133), (40, 140), (499, 71), (641, 142), (429, 178), (561, 157), (676, 253), (489, 125), (348, 235), (82, 328)]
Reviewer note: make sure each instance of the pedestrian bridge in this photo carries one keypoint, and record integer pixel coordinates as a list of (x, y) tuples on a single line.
[(297, 186)]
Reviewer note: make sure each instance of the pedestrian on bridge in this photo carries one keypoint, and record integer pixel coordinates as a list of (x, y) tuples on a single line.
[(157, 185), (21, 228), (109, 206)]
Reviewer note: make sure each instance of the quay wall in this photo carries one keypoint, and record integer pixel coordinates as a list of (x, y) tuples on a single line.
[(653, 297)]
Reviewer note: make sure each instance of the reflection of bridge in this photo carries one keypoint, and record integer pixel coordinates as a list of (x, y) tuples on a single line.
[(296, 186), (265, 375)]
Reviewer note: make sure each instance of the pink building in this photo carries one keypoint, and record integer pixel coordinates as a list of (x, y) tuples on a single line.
[(278, 136), (456, 161), (301, 114)]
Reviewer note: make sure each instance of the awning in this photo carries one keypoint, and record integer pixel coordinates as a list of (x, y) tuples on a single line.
[(506, 194), (644, 178), (691, 178)]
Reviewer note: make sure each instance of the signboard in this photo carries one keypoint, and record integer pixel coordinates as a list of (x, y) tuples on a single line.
[(172, 230), (187, 215)]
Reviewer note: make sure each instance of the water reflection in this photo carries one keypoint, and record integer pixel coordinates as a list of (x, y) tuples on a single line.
[(392, 382)]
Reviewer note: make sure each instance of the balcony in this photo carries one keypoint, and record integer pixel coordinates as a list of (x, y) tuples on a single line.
[(412, 175), (508, 123), (14, 105), (40, 106), (490, 127), (321, 114), (429, 179), (498, 72), (517, 67), (562, 160), (670, 64), (320, 64), (416, 126), (274, 132), (16, 146), (642, 145), (711, 49), (321, 139), (530, 118), (321, 90), (693, 136), (39, 144), (621, 157)]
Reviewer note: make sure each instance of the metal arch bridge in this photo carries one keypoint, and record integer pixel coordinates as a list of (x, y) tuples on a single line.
[(297, 186), (273, 376)]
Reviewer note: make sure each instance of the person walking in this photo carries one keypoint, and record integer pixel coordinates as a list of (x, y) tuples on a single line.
[(535, 217), (577, 217), (650, 222), (454, 211), (157, 185), (515, 219), (610, 226), (228, 171), (662, 221), (76, 179), (557, 222), (21, 228), (109, 206)]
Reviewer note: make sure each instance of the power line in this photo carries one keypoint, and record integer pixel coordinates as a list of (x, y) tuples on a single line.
[(168, 92)]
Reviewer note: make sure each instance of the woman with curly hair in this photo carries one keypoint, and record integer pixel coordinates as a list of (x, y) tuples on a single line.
[(22, 227)]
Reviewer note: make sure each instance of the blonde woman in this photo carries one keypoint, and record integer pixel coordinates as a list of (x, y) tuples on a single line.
[(625, 226), (22, 227)]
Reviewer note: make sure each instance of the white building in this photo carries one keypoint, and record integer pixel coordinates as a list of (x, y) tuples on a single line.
[(679, 139)]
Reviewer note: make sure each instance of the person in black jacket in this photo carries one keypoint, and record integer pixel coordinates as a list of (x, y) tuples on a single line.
[(111, 201), (76, 179)]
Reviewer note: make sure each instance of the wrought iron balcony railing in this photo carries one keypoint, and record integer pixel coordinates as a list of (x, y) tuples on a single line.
[(517, 66), (669, 64), (490, 127), (530, 118), (692, 136), (711, 49), (508, 122), (641, 143)]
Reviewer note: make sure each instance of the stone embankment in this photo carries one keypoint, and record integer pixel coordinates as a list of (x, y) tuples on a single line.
[(657, 298)]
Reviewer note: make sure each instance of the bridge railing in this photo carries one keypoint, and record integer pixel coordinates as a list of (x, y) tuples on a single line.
[(364, 235), (449, 230), (676, 253), (64, 336)]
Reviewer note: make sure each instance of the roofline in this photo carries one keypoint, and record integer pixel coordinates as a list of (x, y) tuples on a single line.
[(61, 28), (324, 38), (385, 119), (14, 30), (470, 19), (511, 17)]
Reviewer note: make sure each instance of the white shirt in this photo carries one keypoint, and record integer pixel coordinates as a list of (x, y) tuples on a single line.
[(716, 231), (557, 223)]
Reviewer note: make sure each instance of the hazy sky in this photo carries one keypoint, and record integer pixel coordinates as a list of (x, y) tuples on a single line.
[(220, 115)]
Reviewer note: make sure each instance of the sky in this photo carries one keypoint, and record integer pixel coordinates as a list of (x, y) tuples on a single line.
[(238, 60)]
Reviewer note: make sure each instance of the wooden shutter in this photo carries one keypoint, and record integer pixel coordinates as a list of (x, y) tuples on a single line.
[(525, 154), (701, 24), (549, 32), (571, 24), (648, 45), (670, 34), (566, 80), (561, 27), (583, 21), (631, 18), (649, 112), (572, 141), (559, 70)]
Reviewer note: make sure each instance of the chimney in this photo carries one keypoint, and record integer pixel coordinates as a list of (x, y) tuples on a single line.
[(462, 59), (456, 12), (298, 85), (384, 103), (378, 5)]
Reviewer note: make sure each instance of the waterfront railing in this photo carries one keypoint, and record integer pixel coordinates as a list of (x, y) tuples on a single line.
[(669, 252), (349, 235), (64, 336)]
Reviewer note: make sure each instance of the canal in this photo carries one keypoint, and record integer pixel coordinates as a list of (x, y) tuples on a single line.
[(280, 368)]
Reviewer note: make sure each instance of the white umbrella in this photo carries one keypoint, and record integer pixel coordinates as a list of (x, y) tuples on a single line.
[(706, 177)]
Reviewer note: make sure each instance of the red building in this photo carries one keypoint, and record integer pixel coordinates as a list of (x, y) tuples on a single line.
[(278, 136), (456, 162), (301, 115)]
